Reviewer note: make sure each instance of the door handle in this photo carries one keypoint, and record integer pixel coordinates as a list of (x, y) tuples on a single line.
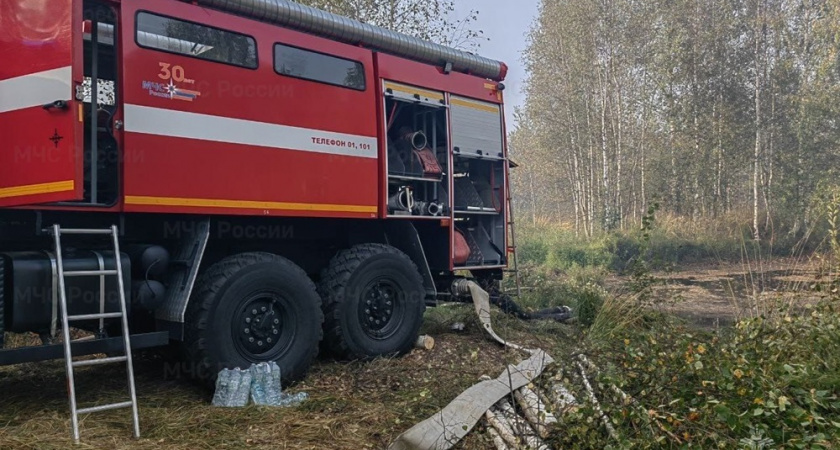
[(58, 104)]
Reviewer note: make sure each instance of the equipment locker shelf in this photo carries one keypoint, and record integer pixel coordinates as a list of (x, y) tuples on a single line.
[(418, 162), (479, 208), (478, 171)]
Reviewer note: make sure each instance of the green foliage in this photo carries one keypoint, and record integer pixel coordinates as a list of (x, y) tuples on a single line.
[(661, 244), (590, 300), (559, 249), (764, 384), (826, 203), (642, 280), (580, 287)]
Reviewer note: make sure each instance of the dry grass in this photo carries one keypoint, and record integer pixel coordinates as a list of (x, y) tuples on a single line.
[(351, 405)]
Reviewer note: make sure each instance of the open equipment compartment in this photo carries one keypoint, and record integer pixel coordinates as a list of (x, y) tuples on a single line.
[(418, 157), (480, 209), (478, 172)]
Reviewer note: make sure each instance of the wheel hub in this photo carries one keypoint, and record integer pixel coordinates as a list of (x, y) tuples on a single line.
[(259, 326), (377, 308)]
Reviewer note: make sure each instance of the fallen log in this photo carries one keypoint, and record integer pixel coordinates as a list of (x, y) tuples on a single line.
[(521, 426), (603, 416), (625, 398), (561, 398), (497, 440), (425, 342), (535, 410), (501, 425)]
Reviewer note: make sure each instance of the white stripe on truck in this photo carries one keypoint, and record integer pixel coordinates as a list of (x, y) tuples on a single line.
[(36, 89), (180, 124)]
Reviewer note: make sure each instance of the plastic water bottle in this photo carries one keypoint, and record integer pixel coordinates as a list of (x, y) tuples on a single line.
[(232, 387), (274, 388), (293, 400), (260, 374), (223, 391), (243, 388)]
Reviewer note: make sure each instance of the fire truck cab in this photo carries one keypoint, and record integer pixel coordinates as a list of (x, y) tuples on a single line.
[(283, 180)]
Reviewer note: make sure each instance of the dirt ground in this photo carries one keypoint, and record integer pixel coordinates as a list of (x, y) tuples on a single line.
[(351, 405), (720, 293)]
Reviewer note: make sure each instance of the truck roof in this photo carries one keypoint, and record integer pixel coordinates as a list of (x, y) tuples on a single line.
[(339, 28)]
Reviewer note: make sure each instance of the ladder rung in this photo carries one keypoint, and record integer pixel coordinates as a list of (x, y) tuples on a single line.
[(83, 231), (115, 315), (96, 362), (89, 273), (94, 409)]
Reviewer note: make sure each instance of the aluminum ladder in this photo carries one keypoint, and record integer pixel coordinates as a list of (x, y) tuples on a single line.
[(66, 319), (511, 248)]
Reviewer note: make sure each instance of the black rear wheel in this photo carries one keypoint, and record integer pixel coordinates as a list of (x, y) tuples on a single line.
[(373, 301), (2, 299), (252, 308)]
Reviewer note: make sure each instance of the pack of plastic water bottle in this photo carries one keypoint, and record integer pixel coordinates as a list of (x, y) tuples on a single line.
[(261, 382), (267, 390), (232, 388), (265, 387)]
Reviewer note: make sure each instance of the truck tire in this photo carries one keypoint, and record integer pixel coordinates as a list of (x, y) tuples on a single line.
[(2, 299), (373, 302), (251, 308)]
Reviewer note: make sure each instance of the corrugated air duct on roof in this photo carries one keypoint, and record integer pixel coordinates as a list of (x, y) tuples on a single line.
[(321, 23)]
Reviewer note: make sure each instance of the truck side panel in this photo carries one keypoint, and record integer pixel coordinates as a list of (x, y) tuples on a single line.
[(207, 137)]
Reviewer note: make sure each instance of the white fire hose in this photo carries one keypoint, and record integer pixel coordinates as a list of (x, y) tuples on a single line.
[(448, 426)]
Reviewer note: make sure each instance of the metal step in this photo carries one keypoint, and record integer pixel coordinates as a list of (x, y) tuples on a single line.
[(84, 231), (115, 315), (100, 361), (94, 409), (90, 273)]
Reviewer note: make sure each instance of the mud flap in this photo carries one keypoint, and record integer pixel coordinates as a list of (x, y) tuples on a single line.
[(189, 254)]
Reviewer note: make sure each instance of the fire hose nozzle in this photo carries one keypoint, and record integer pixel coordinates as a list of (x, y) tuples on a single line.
[(416, 139)]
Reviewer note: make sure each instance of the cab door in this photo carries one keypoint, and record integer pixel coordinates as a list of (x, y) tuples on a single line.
[(41, 134)]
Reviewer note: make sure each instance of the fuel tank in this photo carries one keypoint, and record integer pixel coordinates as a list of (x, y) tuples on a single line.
[(29, 285)]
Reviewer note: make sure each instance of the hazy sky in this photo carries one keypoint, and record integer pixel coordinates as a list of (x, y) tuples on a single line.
[(506, 24)]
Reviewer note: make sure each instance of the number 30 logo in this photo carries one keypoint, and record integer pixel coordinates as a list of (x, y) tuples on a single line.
[(170, 72)]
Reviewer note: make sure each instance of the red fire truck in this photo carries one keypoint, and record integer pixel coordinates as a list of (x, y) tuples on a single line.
[(253, 180)]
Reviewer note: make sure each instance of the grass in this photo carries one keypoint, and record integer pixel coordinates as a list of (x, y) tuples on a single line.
[(791, 354), (770, 381), (672, 241), (351, 406)]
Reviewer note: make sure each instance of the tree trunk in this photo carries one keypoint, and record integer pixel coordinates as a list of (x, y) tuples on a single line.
[(759, 122)]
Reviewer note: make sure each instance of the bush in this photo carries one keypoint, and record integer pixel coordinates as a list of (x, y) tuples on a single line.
[(558, 249), (590, 299), (764, 384), (665, 242)]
